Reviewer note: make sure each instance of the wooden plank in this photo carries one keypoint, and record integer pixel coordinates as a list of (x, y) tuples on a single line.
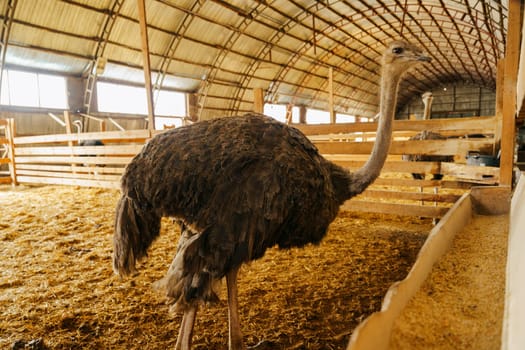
[(67, 168), (462, 171), (67, 119), (407, 183), (70, 182), (3, 141), (146, 61), (357, 157), (5, 180), (491, 200), (258, 100), (508, 127), (107, 135), (10, 134), (500, 79), (394, 208), (450, 124), (5, 160), (331, 109), (70, 175), (80, 160), (415, 196), (395, 166), (80, 150), (374, 332), (437, 147)]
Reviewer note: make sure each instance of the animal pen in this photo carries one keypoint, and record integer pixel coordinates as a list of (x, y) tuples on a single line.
[(58, 159), (465, 190)]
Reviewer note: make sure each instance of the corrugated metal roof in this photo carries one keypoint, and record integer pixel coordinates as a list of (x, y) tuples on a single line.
[(223, 49)]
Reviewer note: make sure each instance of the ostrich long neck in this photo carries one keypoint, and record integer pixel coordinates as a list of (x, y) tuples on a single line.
[(372, 168)]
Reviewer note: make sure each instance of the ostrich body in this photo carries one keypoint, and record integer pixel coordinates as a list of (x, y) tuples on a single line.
[(238, 186), (427, 135)]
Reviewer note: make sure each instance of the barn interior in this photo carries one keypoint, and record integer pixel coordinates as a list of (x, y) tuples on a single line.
[(427, 257)]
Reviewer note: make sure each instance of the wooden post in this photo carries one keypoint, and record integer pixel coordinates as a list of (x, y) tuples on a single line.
[(427, 102), (289, 114), (508, 126), (67, 120), (10, 133), (192, 107), (500, 77), (331, 95), (147, 65), (302, 114), (69, 130), (258, 100)]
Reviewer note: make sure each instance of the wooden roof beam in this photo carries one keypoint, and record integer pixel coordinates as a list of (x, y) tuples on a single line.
[(146, 60), (5, 31)]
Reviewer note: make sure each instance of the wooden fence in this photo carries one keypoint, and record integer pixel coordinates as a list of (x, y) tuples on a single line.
[(59, 159), (7, 169)]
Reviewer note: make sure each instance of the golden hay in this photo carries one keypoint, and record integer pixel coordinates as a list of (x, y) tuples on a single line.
[(56, 281), (461, 304)]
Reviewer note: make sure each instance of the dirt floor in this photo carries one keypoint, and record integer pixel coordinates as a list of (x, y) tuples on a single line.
[(460, 305), (57, 287)]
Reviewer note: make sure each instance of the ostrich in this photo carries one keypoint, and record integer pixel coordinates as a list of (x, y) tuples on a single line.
[(238, 186), (427, 135)]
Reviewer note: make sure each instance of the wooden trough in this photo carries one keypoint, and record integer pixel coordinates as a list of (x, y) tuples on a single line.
[(375, 331)]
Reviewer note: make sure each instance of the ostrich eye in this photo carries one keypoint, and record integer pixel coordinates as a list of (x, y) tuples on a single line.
[(397, 50)]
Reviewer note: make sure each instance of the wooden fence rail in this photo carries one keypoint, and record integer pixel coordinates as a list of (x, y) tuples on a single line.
[(58, 159), (6, 152)]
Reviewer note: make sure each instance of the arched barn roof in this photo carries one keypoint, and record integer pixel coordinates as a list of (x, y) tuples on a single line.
[(223, 49)]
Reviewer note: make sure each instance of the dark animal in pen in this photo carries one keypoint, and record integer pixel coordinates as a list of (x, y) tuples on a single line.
[(85, 143), (427, 135), (239, 186)]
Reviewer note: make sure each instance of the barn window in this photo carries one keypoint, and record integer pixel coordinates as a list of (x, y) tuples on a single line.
[(317, 116), (26, 89), (279, 112), (170, 103), (118, 98), (115, 98), (344, 118)]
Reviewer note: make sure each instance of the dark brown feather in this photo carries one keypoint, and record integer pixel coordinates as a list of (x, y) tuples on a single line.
[(243, 183)]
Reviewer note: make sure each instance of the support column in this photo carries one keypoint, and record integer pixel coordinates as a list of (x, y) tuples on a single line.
[(258, 100), (289, 113), (147, 65), (10, 134), (508, 126), (192, 107), (500, 78), (331, 95), (302, 114)]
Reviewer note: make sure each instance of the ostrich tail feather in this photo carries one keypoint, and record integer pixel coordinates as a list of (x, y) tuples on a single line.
[(187, 281), (136, 228)]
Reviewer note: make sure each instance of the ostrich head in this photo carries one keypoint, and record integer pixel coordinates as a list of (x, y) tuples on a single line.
[(399, 57)]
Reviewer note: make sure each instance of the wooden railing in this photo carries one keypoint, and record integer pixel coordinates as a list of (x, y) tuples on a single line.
[(395, 191), (7, 167), (58, 159)]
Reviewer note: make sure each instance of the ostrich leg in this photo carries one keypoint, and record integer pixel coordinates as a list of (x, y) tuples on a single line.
[(186, 329), (235, 340)]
